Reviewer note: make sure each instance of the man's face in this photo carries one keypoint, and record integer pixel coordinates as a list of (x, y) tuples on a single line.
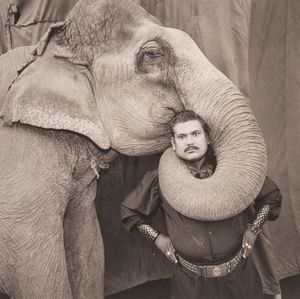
[(189, 141)]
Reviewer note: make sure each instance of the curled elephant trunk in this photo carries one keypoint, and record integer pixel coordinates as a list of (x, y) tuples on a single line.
[(237, 141)]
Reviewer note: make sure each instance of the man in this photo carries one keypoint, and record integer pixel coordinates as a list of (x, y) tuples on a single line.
[(211, 258)]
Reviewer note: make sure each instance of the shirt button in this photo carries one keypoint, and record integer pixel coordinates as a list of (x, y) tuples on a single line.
[(210, 233)]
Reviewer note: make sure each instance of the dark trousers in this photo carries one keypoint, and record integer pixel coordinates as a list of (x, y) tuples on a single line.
[(243, 283)]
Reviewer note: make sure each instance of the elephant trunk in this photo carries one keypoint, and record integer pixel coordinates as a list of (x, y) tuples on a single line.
[(237, 141)]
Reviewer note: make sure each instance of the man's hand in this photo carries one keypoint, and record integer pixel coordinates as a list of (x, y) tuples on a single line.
[(164, 244), (248, 242)]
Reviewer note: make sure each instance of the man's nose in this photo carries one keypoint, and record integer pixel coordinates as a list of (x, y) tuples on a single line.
[(189, 140)]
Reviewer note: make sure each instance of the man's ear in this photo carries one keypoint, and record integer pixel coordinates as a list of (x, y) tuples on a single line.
[(173, 143), (53, 93), (207, 139)]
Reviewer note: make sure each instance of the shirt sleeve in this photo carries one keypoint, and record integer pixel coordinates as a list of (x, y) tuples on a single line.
[(142, 202), (269, 195)]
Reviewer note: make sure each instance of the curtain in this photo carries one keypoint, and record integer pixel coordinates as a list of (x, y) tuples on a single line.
[(23, 22), (274, 50)]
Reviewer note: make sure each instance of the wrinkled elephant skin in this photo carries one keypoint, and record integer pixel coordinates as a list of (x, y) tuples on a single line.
[(107, 79)]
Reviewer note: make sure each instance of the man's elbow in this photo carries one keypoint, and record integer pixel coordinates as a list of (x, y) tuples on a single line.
[(276, 207)]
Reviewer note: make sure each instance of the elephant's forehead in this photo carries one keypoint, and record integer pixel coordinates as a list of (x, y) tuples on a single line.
[(122, 26), (115, 19), (148, 30)]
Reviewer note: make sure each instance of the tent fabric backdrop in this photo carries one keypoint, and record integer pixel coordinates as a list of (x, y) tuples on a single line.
[(256, 44), (30, 20), (274, 88)]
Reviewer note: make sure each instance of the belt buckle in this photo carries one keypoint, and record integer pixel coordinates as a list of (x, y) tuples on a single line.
[(216, 271), (209, 271)]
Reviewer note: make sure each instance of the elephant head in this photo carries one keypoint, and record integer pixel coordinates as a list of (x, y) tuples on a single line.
[(111, 72)]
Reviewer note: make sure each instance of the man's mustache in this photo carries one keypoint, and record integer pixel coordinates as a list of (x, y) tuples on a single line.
[(191, 147)]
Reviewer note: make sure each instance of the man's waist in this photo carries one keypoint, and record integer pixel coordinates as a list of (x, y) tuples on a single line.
[(207, 256), (219, 269), (199, 241)]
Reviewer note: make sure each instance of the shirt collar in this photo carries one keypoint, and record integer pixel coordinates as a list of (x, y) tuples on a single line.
[(205, 171)]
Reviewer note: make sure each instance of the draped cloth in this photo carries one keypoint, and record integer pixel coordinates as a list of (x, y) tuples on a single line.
[(274, 50), (256, 44), (23, 22)]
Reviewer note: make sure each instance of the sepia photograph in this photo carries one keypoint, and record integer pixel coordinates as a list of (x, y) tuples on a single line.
[(149, 149)]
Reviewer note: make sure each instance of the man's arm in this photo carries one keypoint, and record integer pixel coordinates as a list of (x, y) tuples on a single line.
[(269, 195), (162, 242), (267, 206), (138, 208), (141, 203), (148, 231)]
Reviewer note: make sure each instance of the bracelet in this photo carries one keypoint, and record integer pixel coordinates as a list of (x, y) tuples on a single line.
[(261, 217), (148, 231)]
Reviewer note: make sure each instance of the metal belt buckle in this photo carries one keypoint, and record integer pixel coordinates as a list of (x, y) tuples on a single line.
[(217, 271)]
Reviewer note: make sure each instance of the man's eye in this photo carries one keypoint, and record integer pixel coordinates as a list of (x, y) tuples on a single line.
[(196, 134), (179, 137)]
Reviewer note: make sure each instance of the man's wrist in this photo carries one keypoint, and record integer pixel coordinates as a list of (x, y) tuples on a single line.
[(148, 231), (260, 218), (255, 229)]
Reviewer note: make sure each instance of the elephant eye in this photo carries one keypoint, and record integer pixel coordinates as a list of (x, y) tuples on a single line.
[(153, 53), (154, 59), (151, 50)]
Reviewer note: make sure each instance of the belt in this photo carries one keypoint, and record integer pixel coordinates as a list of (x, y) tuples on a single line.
[(212, 270)]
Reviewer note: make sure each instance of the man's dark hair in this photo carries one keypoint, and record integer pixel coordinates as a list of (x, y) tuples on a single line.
[(186, 115)]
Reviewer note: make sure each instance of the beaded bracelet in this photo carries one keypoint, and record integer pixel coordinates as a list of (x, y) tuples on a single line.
[(260, 219), (148, 231)]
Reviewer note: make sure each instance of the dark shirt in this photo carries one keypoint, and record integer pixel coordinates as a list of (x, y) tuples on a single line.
[(198, 241)]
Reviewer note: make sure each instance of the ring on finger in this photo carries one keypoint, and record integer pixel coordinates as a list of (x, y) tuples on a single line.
[(168, 252)]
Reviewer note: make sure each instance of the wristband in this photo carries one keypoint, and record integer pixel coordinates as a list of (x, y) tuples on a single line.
[(148, 231), (261, 217)]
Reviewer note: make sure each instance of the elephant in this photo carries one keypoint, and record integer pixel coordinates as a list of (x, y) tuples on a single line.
[(105, 81)]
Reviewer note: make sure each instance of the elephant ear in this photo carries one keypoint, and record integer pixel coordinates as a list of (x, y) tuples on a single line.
[(21, 58), (54, 93)]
